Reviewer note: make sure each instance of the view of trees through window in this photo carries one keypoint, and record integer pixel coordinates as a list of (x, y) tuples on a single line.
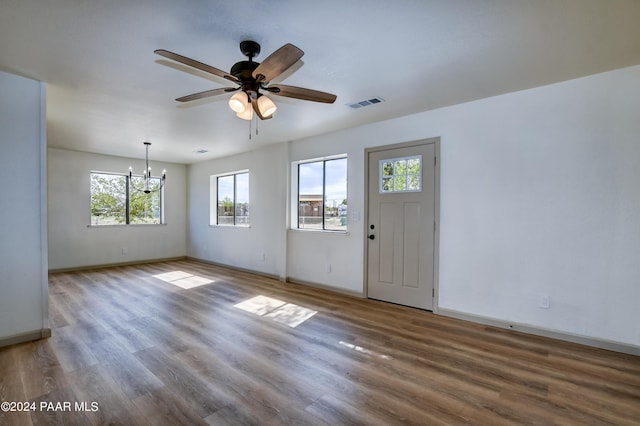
[(115, 201), (322, 195), (233, 199), (401, 174)]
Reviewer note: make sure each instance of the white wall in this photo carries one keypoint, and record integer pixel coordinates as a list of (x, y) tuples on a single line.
[(23, 243), (72, 243), (539, 195), (267, 246), (328, 258), (260, 247)]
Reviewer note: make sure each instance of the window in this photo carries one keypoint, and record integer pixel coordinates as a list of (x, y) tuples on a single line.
[(232, 199), (115, 201), (322, 194), (401, 174)]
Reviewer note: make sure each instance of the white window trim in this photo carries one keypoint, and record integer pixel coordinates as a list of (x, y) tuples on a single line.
[(213, 199), (386, 160), (163, 218), (293, 195)]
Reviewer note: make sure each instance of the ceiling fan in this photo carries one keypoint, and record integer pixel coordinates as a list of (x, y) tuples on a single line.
[(252, 78)]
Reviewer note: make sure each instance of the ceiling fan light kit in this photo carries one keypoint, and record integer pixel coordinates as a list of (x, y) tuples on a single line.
[(238, 102), (247, 114), (266, 106), (252, 77)]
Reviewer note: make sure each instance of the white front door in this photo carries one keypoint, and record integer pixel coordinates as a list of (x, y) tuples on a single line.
[(401, 225)]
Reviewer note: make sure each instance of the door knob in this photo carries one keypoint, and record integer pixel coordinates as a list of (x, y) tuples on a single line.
[(372, 237)]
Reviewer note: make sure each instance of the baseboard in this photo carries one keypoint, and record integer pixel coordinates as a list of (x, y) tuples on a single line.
[(279, 278), (236, 268), (111, 265), (359, 295), (538, 331), (25, 337)]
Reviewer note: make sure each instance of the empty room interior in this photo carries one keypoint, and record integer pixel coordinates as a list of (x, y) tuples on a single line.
[(362, 212)]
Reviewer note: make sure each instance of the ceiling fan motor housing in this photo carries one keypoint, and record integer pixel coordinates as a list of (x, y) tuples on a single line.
[(243, 71)]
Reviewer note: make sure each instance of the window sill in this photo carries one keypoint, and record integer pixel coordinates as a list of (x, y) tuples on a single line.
[(318, 231), (127, 225), (231, 226)]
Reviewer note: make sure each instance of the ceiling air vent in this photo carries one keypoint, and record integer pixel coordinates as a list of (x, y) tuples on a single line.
[(366, 102)]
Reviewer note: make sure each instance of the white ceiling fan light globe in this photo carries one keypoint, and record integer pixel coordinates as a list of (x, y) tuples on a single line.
[(247, 114), (238, 102), (266, 106)]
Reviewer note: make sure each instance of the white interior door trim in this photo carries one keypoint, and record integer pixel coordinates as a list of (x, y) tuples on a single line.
[(436, 241)]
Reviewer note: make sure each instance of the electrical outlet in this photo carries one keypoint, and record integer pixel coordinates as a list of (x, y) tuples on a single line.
[(124, 251), (329, 268), (544, 302)]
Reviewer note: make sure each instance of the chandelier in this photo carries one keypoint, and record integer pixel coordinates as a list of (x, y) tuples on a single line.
[(146, 176)]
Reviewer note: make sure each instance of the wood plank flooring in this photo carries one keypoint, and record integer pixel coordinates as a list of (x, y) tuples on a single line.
[(145, 351)]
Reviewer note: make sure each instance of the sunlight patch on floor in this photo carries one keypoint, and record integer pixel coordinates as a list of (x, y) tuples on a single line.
[(363, 350), (277, 310), (260, 305), (183, 279)]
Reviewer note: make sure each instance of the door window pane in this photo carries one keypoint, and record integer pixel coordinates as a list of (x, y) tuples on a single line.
[(401, 174)]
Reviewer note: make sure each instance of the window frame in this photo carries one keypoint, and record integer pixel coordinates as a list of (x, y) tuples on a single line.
[(393, 176), (214, 193), (127, 202), (295, 194)]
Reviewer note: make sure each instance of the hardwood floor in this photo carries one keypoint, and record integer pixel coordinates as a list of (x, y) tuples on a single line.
[(136, 349)]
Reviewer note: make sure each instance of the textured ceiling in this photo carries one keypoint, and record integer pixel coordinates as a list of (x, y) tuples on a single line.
[(107, 91)]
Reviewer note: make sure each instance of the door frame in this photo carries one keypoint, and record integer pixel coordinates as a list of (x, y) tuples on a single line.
[(436, 235)]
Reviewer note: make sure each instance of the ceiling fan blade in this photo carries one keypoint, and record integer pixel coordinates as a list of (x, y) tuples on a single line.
[(301, 93), (277, 63), (195, 64), (207, 94), (254, 104)]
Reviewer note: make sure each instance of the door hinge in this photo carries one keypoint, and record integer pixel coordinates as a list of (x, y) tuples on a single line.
[(435, 160), (433, 292)]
